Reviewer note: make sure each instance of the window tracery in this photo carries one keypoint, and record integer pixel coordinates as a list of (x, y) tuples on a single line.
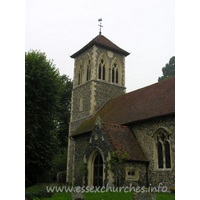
[(115, 73), (102, 69), (162, 151)]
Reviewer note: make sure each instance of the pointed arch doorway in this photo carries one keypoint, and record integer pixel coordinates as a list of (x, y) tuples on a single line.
[(98, 171)]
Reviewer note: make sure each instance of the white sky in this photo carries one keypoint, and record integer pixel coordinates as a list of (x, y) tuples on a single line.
[(144, 28)]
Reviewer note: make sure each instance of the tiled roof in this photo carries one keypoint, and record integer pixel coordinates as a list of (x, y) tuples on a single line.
[(122, 139), (149, 102), (102, 41)]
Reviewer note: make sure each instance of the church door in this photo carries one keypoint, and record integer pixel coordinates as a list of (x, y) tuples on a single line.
[(98, 171)]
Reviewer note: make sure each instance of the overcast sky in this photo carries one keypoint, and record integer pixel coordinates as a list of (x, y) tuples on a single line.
[(146, 29)]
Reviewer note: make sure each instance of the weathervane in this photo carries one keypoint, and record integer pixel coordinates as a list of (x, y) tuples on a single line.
[(100, 20)]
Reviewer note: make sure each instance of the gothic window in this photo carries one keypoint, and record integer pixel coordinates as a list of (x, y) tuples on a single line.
[(99, 71), (80, 75), (88, 71), (115, 73), (79, 78), (102, 70), (163, 158)]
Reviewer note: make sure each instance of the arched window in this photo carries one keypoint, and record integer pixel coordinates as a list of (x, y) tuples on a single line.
[(162, 153), (79, 74), (102, 70), (88, 71), (98, 171), (115, 73), (99, 71)]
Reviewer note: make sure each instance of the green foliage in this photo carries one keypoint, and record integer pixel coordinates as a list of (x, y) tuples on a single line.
[(168, 70), (37, 195), (91, 196), (82, 168), (60, 160), (43, 92), (117, 166), (64, 112)]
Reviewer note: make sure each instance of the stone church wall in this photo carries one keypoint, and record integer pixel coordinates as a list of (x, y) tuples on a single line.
[(82, 142), (144, 132), (105, 91), (142, 178), (84, 92)]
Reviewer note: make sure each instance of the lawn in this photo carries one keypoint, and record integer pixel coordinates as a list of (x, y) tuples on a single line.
[(97, 196)]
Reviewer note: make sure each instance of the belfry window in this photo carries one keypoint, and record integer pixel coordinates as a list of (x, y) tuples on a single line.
[(80, 75), (88, 71), (163, 156), (102, 69), (115, 73)]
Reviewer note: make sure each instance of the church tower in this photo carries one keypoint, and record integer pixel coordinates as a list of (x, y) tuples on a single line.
[(99, 75)]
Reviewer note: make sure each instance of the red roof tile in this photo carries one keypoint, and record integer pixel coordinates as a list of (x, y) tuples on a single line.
[(148, 102), (101, 40), (122, 139)]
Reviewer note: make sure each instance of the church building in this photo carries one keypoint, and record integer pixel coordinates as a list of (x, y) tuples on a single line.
[(105, 119)]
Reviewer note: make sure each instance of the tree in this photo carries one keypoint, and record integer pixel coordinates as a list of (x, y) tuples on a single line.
[(43, 91), (65, 108), (168, 70)]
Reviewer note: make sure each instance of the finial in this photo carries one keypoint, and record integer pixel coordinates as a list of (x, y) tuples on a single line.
[(100, 20)]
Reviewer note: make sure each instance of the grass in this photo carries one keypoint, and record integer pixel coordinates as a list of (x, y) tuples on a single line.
[(97, 196)]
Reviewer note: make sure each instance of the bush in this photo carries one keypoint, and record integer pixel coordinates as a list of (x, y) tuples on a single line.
[(39, 194)]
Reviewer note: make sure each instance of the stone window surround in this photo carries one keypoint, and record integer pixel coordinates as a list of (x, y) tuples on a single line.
[(117, 67), (155, 157), (134, 177), (87, 68), (82, 68), (91, 166)]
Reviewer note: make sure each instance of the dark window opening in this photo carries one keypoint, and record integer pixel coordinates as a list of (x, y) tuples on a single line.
[(117, 76), (104, 72), (113, 75), (99, 71), (167, 155), (160, 156), (98, 171)]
